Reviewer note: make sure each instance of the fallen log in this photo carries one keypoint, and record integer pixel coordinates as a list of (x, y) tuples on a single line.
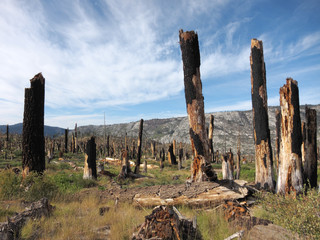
[(11, 229), (191, 194)]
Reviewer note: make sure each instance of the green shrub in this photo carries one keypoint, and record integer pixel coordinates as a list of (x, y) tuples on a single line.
[(37, 186), (70, 183), (9, 185), (299, 214)]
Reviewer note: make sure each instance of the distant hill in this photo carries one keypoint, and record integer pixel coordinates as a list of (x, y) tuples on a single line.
[(17, 129), (227, 127)]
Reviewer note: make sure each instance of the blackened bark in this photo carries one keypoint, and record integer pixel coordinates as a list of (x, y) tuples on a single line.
[(33, 156), (90, 167), (195, 107), (66, 132), (263, 150), (290, 169), (171, 157), (137, 168), (310, 165), (108, 148), (211, 127), (278, 136)]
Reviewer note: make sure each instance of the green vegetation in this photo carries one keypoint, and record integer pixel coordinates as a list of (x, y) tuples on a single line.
[(300, 214), (77, 208)]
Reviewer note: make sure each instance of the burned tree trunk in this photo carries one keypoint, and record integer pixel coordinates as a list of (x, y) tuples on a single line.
[(211, 126), (180, 156), (227, 166), (137, 168), (90, 168), (76, 138), (290, 168), (153, 149), (33, 156), (66, 132), (238, 165), (171, 157), (263, 151), (108, 148), (278, 136), (125, 167), (6, 146), (201, 167), (303, 134), (310, 164), (174, 147)]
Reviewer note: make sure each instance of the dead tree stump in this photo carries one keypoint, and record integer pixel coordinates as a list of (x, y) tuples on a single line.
[(263, 150), (201, 168), (76, 138), (137, 168), (310, 164), (290, 168), (90, 168), (33, 156), (171, 157), (125, 166), (227, 166)]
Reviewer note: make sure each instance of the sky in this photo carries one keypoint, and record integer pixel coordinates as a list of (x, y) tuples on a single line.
[(122, 59)]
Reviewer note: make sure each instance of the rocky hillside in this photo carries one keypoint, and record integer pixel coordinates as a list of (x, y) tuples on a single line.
[(228, 128)]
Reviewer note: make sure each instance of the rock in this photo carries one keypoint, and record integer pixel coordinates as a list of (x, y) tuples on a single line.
[(271, 232)]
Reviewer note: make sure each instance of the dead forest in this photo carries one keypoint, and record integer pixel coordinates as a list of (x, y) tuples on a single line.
[(166, 186)]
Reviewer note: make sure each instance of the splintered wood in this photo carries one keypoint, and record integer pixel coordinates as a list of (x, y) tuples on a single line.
[(90, 168), (201, 168), (290, 167), (263, 151), (33, 146), (167, 223)]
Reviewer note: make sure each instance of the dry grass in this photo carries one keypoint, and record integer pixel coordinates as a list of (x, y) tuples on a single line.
[(81, 220)]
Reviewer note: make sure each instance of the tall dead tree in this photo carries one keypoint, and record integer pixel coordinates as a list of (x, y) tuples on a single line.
[(278, 136), (201, 167), (66, 132), (211, 127), (76, 138), (90, 167), (7, 138), (153, 148), (290, 168), (171, 157), (137, 168), (263, 150), (303, 148), (310, 165), (108, 147), (174, 147), (33, 145)]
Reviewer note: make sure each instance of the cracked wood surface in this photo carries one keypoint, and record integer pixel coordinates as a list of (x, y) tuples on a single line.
[(195, 107), (263, 151), (192, 194), (290, 167)]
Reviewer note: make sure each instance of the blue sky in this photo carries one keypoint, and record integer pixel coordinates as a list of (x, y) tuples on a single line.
[(123, 57)]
